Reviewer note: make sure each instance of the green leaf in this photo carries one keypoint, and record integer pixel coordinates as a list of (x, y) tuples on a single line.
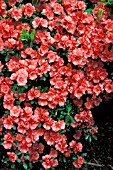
[(86, 137), (18, 102), (26, 86), (100, 11), (78, 110), (26, 17), (14, 88), (16, 143), (69, 108), (41, 169), (55, 114), (31, 44), (61, 132), (88, 11), (95, 137), (34, 2), (39, 88), (90, 139), (67, 119), (74, 158), (43, 78), (30, 165), (84, 154), (53, 33), (107, 32), (60, 158), (7, 58), (7, 112), (32, 35), (32, 102), (63, 113), (18, 160), (17, 55), (22, 36), (19, 6), (6, 160), (2, 52), (17, 152), (52, 48), (27, 35), (64, 159), (39, 125), (12, 52), (14, 127), (12, 166), (85, 162), (41, 161), (72, 119), (58, 23), (27, 157), (61, 117), (20, 89), (25, 165), (60, 1), (23, 31)]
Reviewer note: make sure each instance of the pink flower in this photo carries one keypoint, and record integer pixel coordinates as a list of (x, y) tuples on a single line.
[(33, 93), (61, 146), (36, 22), (77, 135), (12, 156), (16, 13), (8, 140), (48, 123), (22, 75), (77, 147), (8, 122), (8, 101), (15, 111), (43, 22), (40, 147), (53, 153), (28, 9), (78, 163), (34, 156), (5, 88), (51, 137), (68, 153), (24, 146), (48, 162), (58, 125)]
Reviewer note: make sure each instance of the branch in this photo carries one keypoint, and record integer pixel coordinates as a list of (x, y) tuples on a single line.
[(93, 164), (110, 166)]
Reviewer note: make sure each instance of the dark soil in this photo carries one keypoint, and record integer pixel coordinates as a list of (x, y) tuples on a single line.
[(100, 152)]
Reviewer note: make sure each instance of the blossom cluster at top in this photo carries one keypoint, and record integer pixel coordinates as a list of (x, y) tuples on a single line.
[(62, 47)]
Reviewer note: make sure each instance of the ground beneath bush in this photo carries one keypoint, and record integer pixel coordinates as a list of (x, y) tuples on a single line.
[(100, 152)]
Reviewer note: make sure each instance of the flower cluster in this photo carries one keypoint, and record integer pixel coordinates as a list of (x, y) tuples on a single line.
[(51, 75)]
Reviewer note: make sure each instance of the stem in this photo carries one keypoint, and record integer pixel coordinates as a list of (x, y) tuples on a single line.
[(110, 166), (93, 164)]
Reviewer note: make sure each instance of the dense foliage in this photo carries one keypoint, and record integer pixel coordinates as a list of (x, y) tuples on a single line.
[(52, 73)]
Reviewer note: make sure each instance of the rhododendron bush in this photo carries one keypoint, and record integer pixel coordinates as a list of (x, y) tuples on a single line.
[(52, 57)]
